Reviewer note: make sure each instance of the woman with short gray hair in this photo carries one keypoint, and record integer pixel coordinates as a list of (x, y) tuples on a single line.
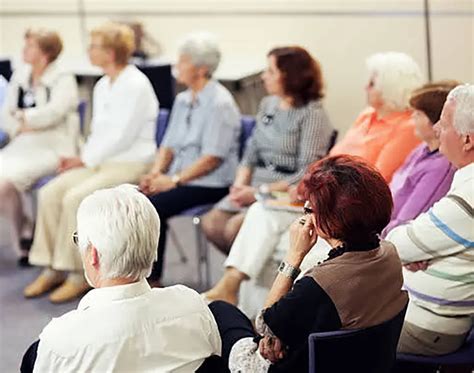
[(141, 329), (196, 162)]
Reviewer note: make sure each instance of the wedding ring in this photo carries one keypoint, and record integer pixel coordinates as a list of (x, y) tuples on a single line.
[(302, 221)]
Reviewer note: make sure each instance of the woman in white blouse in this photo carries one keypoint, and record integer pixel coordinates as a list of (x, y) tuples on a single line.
[(41, 122), (119, 149)]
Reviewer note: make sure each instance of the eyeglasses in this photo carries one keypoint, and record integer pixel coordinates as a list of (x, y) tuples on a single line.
[(307, 208), (75, 238)]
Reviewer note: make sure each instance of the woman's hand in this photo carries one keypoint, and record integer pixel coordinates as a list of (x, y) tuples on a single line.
[(66, 164), (302, 238), (293, 194), (160, 183), (271, 349), (145, 181), (242, 195)]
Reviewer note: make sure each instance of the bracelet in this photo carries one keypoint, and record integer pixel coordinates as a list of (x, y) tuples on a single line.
[(288, 270)]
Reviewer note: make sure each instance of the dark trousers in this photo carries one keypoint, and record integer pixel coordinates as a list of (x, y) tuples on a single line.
[(173, 202), (233, 325)]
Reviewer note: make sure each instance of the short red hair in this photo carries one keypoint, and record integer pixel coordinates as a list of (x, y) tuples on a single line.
[(302, 76), (350, 199)]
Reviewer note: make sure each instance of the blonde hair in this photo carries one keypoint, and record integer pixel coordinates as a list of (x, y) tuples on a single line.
[(117, 37), (49, 42)]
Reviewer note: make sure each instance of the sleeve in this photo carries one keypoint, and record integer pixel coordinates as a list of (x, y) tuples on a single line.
[(250, 156), (221, 132), (64, 99), (314, 141), (9, 124), (394, 153), (425, 190), (132, 109), (446, 229), (304, 310), (171, 137)]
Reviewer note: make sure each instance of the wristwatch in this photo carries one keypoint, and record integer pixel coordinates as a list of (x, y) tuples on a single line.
[(176, 179), (288, 270)]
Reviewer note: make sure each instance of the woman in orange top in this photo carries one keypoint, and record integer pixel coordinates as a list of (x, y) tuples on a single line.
[(384, 134)]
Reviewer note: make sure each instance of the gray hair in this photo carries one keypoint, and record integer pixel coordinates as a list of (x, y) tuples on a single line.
[(397, 75), (463, 98), (203, 50), (124, 227)]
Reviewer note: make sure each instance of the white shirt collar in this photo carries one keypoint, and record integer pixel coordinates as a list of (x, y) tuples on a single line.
[(112, 293), (463, 175)]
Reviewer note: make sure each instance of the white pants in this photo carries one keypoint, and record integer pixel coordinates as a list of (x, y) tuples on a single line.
[(258, 249)]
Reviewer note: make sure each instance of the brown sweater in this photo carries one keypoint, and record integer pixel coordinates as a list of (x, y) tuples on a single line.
[(365, 286)]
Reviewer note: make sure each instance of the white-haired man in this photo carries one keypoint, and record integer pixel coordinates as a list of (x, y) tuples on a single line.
[(124, 325), (441, 287)]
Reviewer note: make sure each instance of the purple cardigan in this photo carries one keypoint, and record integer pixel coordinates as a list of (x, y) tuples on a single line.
[(422, 180)]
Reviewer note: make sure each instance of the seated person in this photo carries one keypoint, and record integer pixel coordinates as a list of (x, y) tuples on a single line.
[(40, 117), (384, 134), (426, 174), (198, 157), (264, 234), (123, 325), (357, 286), (441, 287), (292, 131), (119, 149)]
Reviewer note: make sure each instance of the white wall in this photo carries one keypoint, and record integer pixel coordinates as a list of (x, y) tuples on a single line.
[(340, 33)]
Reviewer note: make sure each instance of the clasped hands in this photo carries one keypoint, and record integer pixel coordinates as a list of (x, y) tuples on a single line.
[(156, 182)]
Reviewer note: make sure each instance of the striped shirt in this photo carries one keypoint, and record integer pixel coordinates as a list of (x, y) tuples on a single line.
[(286, 139), (442, 297)]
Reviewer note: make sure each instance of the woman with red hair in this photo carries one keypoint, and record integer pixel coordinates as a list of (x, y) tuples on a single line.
[(357, 286), (292, 131)]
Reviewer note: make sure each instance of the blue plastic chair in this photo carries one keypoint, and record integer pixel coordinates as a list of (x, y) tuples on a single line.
[(247, 126), (369, 350), (82, 108), (161, 125), (463, 356)]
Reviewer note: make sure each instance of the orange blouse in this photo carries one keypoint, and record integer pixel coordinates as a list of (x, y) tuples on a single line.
[(383, 142)]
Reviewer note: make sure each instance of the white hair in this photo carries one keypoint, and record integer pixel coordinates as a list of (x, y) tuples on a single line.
[(463, 118), (203, 50), (396, 76), (124, 227)]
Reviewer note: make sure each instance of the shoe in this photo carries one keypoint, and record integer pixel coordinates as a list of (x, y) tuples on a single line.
[(69, 291), (42, 285), (23, 262)]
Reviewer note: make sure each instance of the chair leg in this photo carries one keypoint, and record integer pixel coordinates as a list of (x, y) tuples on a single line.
[(202, 254), (181, 252)]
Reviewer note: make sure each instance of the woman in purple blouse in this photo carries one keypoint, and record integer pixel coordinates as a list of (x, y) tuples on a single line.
[(426, 175)]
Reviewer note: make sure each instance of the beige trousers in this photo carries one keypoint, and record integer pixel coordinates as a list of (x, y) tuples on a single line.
[(58, 202)]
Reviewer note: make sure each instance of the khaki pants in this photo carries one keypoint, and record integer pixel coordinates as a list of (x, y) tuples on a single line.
[(419, 341), (58, 202)]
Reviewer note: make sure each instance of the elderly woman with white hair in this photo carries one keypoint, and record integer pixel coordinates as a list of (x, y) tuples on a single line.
[(198, 157), (384, 134), (141, 329)]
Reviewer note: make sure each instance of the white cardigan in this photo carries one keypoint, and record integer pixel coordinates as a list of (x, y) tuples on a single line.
[(54, 117)]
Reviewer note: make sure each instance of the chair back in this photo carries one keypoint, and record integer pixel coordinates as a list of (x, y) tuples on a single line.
[(247, 124), (333, 139), (81, 109), (369, 350), (161, 125)]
